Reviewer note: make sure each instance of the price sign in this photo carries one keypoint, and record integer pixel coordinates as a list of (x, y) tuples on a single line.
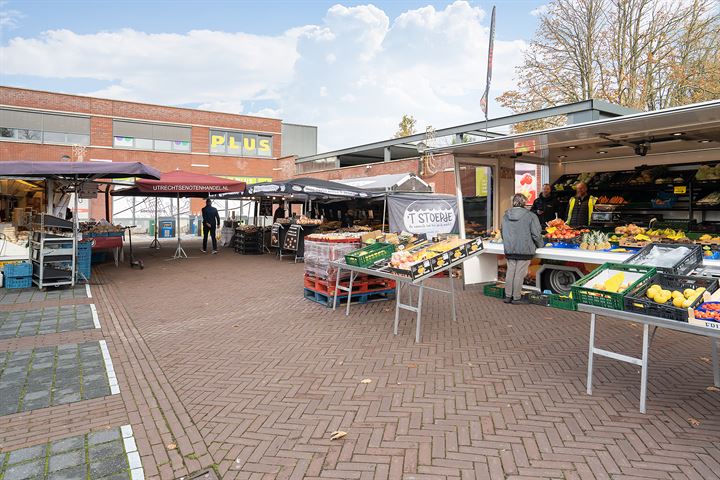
[(275, 235), (680, 190), (292, 237)]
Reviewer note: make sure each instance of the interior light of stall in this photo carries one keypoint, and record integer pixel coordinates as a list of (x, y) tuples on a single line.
[(602, 152), (704, 141), (572, 147), (677, 134)]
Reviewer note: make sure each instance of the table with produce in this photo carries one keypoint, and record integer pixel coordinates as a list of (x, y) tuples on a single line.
[(409, 261)]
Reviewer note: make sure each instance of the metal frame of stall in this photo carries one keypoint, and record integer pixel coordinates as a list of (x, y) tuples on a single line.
[(402, 282), (643, 362)]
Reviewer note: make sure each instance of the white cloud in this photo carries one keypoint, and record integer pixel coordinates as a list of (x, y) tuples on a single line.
[(9, 17), (541, 10), (354, 74)]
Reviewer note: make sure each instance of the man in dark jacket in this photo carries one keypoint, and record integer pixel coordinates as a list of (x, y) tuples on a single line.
[(522, 234), (211, 219), (545, 206)]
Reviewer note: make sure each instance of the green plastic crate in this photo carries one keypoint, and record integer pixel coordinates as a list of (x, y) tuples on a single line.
[(562, 302), (603, 299), (494, 290), (366, 256)]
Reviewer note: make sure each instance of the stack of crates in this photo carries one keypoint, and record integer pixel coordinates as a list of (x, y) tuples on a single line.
[(17, 275), (248, 242), (84, 255)]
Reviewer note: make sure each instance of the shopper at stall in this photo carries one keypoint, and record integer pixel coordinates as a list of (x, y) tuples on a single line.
[(545, 206), (211, 219), (348, 219), (279, 213), (581, 207), (522, 234)]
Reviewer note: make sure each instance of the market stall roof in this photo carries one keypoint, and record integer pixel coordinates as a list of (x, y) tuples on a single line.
[(83, 170), (689, 133), (399, 182), (136, 192), (313, 188), (184, 183)]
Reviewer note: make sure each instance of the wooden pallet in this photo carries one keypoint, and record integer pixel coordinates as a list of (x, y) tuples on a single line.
[(362, 284), (361, 298)]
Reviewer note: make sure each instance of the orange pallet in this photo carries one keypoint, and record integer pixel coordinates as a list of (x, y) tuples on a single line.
[(364, 284)]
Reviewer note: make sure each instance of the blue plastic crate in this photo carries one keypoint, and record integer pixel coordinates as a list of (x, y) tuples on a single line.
[(18, 282), (14, 270)]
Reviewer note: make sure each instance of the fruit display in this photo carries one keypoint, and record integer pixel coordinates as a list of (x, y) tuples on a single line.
[(616, 283), (708, 311), (669, 180), (648, 176), (679, 299), (708, 172), (631, 229), (710, 200), (584, 178), (404, 259), (595, 241), (708, 239), (667, 234), (615, 200), (303, 220)]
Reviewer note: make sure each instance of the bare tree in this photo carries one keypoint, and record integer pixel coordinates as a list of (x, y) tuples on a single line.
[(645, 54)]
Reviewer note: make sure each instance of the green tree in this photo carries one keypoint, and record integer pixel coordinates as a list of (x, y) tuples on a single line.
[(406, 126)]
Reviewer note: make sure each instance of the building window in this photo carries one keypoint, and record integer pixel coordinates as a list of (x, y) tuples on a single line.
[(240, 144), (39, 127), (123, 142), (151, 136)]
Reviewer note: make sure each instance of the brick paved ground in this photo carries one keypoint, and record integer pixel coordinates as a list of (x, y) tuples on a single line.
[(221, 361)]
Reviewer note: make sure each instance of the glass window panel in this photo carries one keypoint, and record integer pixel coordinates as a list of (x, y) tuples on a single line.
[(7, 132), (76, 138), (250, 145), (217, 141), (125, 142), (163, 145), (29, 135), (181, 146), (53, 137), (235, 143), (144, 143), (264, 147)]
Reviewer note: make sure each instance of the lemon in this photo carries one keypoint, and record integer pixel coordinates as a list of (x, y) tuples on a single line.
[(676, 294), (667, 293), (687, 303), (679, 301), (662, 299), (688, 292), (651, 293), (655, 287), (700, 290)]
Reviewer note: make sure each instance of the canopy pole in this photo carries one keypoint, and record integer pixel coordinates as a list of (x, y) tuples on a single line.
[(75, 234), (179, 252), (107, 203), (155, 243), (383, 218)]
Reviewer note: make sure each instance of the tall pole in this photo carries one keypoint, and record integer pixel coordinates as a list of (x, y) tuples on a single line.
[(486, 96)]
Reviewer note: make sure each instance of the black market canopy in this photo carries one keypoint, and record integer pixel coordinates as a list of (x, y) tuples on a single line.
[(77, 170), (307, 188)]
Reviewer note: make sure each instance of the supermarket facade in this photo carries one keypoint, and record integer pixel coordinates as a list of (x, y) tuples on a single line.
[(44, 126)]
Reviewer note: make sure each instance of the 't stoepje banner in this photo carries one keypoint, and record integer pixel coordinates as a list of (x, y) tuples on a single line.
[(420, 214)]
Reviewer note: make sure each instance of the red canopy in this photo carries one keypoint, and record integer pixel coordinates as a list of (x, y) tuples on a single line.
[(179, 181)]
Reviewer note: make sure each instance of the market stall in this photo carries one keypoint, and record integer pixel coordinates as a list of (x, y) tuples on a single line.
[(54, 247), (178, 184), (410, 266)]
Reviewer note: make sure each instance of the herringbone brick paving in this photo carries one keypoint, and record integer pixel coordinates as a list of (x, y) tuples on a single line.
[(264, 375)]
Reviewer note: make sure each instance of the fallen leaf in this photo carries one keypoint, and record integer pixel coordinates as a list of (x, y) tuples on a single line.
[(171, 446), (366, 380), (469, 364), (712, 388), (337, 435), (705, 359), (412, 365), (693, 422)]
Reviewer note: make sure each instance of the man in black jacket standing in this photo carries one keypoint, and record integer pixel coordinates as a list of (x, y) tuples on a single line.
[(211, 219), (545, 205)]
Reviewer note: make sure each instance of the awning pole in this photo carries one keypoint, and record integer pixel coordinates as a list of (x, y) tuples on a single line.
[(155, 243), (383, 218), (179, 252)]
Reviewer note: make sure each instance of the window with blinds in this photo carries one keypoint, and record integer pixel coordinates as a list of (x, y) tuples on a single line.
[(40, 127), (151, 136)]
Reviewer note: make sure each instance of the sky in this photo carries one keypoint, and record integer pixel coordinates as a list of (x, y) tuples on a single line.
[(351, 68)]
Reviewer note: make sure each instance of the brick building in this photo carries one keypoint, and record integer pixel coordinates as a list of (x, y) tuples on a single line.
[(44, 126)]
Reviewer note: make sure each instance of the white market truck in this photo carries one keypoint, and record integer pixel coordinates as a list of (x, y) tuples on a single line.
[(659, 169)]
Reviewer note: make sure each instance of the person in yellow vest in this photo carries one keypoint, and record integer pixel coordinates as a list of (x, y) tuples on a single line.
[(581, 207)]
